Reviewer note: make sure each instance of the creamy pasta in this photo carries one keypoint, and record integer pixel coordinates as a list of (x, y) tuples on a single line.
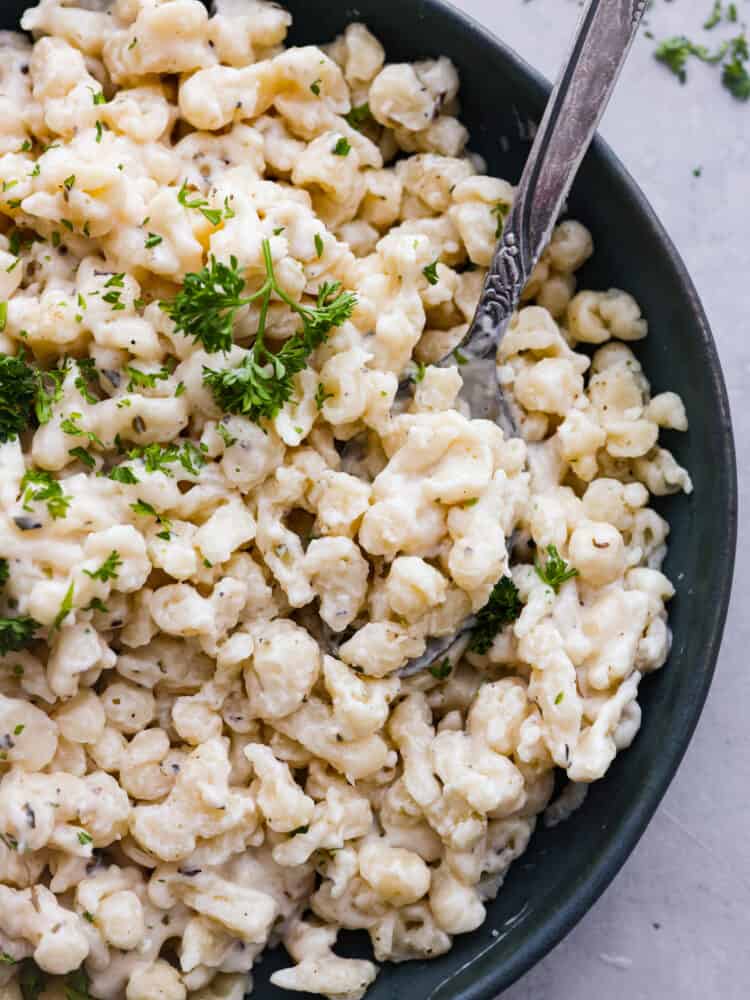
[(187, 774)]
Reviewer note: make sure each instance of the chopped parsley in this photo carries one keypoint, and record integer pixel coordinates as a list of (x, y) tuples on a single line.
[(145, 509), (359, 116), (674, 53), (342, 147), (97, 604), (441, 670), (228, 438), (214, 215), (84, 838), (419, 371), (319, 245), (315, 87), (108, 569), (734, 74), (70, 426), (158, 457), (153, 241), (145, 380), (321, 395), (124, 474), (16, 633), (65, 608), (555, 572), (40, 486), (4, 572), (502, 609), (83, 456), (430, 272)]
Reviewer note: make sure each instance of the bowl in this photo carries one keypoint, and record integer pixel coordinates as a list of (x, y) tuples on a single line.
[(564, 870)]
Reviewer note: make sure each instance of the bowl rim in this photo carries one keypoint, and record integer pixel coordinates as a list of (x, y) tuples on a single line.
[(490, 978)]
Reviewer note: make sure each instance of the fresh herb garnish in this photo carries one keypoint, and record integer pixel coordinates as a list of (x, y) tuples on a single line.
[(555, 572), (260, 385), (123, 474), (16, 633), (674, 52), (321, 395), (342, 147), (65, 608), (430, 272), (734, 74), (359, 116), (441, 670), (108, 569), (83, 456), (503, 607), (214, 215), (38, 485), (146, 380)]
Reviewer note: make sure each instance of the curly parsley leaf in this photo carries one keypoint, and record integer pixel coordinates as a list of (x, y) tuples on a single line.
[(502, 609), (206, 306), (16, 633), (18, 390), (262, 382), (555, 571)]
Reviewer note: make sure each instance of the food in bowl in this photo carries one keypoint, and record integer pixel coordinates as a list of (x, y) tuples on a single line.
[(219, 257)]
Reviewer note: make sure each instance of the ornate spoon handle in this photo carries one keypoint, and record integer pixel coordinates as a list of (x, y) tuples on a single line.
[(601, 44)]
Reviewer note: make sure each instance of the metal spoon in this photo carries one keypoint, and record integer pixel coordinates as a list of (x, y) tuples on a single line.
[(601, 44)]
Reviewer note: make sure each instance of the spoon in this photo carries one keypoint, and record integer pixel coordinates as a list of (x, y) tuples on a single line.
[(600, 47)]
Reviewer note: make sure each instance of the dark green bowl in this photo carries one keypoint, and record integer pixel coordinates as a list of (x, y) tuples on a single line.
[(566, 869)]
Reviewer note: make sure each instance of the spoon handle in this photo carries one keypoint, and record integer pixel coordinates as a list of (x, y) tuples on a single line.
[(601, 44)]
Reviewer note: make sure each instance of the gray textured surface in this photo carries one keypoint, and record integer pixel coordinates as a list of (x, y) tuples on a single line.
[(675, 923)]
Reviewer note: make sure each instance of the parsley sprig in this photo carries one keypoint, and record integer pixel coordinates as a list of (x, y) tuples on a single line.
[(503, 607), (207, 305), (263, 381), (555, 571), (27, 394)]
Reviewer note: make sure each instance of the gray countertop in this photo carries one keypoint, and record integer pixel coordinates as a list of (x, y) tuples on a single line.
[(675, 922)]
